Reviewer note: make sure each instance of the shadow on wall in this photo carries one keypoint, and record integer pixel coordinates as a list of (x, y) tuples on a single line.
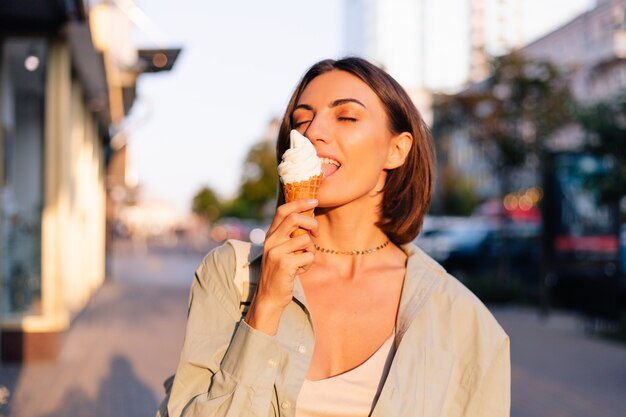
[(121, 394)]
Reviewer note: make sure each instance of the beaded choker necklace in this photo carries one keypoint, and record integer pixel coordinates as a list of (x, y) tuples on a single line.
[(353, 252)]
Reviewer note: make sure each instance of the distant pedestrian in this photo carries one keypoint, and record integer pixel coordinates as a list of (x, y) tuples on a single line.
[(351, 318)]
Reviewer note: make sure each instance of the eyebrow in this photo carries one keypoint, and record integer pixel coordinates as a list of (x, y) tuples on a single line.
[(342, 101), (336, 103)]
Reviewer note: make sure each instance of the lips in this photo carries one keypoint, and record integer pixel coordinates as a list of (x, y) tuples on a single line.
[(329, 166)]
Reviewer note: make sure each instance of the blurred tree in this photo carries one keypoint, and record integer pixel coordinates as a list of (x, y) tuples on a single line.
[(258, 184), (459, 196), (510, 114), (606, 123), (206, 204)]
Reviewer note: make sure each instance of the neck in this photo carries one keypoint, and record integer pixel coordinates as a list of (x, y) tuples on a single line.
[(349, 227)]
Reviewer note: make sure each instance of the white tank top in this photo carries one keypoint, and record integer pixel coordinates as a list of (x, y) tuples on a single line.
[(350, 394)]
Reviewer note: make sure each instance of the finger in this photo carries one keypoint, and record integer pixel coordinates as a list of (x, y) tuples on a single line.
[(286, 256), (290, 224), (297, 224), (304, 261), (311, 247), (297, 243), (279, 252), (283, 211)]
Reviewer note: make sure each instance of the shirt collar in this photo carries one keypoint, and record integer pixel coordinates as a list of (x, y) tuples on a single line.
[(417, 287)]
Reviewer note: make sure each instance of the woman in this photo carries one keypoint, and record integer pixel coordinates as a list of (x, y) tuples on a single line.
[(350, 319)]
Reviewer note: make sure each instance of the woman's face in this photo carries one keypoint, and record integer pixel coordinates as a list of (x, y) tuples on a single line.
[(347, 124)]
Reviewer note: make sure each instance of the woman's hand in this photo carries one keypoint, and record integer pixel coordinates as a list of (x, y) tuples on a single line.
[(283, 258)]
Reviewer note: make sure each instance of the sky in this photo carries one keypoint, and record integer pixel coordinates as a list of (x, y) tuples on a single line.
[(241, 59), (240, 62)]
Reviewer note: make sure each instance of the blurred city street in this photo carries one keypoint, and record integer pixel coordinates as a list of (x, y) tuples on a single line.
[(134, 135), (126, 342)]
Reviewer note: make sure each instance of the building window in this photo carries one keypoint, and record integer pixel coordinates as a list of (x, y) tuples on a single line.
[(22, 88)]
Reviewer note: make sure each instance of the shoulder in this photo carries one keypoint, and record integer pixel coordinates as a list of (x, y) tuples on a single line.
[(225, 267), (230, 269), (219, 278), (219, 262), (460, 311)]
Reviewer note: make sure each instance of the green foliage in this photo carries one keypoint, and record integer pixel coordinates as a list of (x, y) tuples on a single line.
[(606, 123), (459, 196), (511, 112), (206, 204), (258, 188), (258, 185), (242, 208)]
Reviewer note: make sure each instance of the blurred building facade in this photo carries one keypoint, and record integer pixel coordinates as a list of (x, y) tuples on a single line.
[(67, 77), (434, 46), (591, 50)]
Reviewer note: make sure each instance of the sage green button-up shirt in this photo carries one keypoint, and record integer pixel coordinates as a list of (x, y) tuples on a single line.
[(452, 357)]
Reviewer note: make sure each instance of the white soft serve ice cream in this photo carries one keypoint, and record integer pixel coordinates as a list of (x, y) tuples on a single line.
[(300, 162)]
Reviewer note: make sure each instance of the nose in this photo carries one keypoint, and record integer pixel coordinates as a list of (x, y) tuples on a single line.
[(318, 130)]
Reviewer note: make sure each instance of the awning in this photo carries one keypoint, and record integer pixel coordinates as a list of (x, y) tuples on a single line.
[(38, 16), (90, 70), (157, 60)]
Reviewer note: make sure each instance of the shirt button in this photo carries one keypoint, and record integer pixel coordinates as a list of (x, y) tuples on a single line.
[(271, 363), (285, 405), (302, 349)]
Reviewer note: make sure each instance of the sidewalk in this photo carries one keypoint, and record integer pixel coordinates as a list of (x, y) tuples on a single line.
[(559, 370), (117, 352)]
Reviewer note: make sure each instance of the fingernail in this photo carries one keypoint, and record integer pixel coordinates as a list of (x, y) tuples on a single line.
[(312, 201)]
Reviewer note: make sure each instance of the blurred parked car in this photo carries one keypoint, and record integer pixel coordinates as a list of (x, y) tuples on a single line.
[(474, 246), (461, 247)]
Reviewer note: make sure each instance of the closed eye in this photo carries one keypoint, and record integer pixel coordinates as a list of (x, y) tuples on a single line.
[(350, 119), (298, 124)]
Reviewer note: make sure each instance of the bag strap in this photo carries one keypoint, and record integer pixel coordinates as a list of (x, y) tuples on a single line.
[(246, 276), (242, 273), (245, 279)]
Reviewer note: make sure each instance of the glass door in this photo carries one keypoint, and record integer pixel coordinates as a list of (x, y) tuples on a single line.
[(22, 91)]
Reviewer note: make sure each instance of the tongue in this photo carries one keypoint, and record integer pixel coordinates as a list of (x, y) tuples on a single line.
[(329, 169)]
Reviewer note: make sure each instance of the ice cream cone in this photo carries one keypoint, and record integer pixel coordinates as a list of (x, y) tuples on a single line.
[(300, 171), (302, 190)]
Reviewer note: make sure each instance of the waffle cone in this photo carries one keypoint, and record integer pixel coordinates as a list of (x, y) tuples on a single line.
[(302, 190)]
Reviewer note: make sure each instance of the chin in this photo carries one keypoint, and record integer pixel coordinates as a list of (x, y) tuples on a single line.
[(335, 200), (329, 199)]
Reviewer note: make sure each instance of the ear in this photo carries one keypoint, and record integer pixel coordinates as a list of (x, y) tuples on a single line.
[(399, 147)]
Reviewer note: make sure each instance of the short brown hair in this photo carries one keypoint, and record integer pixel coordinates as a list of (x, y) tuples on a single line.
[(408, 188)]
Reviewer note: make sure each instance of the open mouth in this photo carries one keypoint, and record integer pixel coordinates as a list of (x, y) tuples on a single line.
[(329, 166)]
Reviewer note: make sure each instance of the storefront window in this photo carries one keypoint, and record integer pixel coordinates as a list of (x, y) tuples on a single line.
[(22, 88)]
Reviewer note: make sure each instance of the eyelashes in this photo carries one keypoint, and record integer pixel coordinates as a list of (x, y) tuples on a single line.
[(341, 119)]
